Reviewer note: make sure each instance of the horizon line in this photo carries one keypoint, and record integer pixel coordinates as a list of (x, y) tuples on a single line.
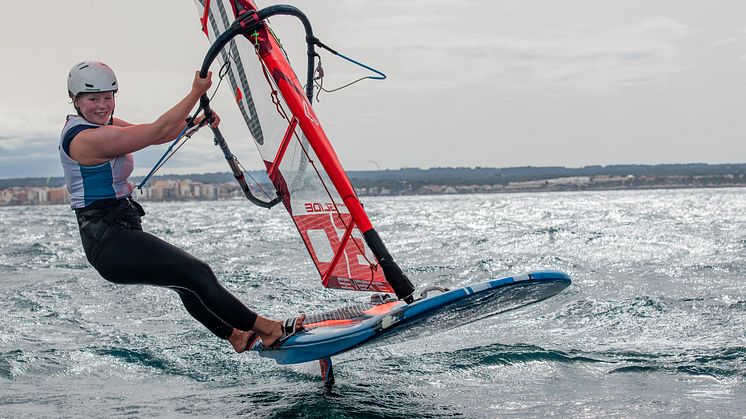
[(436, 168)]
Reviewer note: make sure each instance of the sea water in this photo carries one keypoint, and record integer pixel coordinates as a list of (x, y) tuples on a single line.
[(653, 325)]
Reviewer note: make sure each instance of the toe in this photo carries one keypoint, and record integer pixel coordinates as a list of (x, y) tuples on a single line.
[(299, 322)]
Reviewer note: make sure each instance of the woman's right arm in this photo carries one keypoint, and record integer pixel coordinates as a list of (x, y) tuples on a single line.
[(95, 146)]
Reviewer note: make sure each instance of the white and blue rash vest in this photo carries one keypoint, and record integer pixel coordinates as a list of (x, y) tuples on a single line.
[(87, 184)]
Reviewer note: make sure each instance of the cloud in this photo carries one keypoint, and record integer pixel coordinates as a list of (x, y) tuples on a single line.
[(727, 41), (659, 27), (584, 59), (29, 156), (18, 144), (406, 7), (740, 35)]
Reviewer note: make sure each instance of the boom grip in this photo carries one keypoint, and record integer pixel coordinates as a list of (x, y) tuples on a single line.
[(250, 21), (244, 24)]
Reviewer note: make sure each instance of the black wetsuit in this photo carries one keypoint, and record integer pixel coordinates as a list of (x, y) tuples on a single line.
[(122, 253)]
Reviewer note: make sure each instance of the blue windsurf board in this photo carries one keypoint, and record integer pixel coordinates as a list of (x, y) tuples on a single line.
[(386, 320)]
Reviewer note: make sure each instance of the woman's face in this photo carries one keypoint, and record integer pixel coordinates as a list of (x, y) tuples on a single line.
[(96, 107)]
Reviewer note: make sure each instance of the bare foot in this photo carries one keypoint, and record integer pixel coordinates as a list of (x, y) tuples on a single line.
[(239, 339), (271, 330)]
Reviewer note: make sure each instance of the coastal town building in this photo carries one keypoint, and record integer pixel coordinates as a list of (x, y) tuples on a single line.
[(189, 190)]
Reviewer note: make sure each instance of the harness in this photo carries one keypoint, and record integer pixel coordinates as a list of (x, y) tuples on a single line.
[(99, 221)]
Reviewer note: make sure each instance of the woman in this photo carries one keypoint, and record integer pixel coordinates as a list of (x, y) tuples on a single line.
[(95, 150)]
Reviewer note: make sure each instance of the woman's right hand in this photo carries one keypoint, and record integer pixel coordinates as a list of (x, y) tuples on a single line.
[(200, 85)]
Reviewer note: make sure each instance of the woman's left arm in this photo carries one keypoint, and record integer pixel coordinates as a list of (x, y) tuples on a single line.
[(120, 123)]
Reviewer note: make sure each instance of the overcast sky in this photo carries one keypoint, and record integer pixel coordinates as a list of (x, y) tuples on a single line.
[(471, 83)]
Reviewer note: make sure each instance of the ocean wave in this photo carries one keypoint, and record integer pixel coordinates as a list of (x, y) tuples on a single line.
[(498, 354), (655, 314)]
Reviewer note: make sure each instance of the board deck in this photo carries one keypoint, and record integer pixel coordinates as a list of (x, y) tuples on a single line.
[(385, 321)]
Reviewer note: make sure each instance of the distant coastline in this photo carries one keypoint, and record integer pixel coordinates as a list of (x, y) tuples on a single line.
[(413, 181)]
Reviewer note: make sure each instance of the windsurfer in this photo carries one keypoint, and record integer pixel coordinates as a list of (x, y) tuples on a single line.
[(96, 153)]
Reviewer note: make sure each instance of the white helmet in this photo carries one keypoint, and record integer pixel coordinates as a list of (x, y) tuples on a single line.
[(91, 77)]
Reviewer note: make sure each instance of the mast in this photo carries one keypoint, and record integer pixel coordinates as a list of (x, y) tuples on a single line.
[(249, 23)]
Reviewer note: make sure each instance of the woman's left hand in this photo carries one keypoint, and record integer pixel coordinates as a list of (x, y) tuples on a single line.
[(215, 120)]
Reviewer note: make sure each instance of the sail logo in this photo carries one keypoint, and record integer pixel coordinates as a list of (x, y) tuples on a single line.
[(321, 207)]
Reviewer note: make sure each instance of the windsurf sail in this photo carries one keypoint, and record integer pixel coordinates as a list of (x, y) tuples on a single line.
[(299, 159)]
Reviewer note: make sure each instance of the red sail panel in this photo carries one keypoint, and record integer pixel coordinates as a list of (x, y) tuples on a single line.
[(323, 234)]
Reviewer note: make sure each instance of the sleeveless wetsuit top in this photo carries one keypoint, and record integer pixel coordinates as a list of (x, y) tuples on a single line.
[(87, 184)]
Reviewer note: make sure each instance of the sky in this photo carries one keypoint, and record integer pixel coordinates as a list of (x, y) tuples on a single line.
[(490, 83)]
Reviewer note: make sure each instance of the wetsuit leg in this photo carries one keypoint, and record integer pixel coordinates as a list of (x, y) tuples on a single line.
[(137, 257), (196, 309)]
